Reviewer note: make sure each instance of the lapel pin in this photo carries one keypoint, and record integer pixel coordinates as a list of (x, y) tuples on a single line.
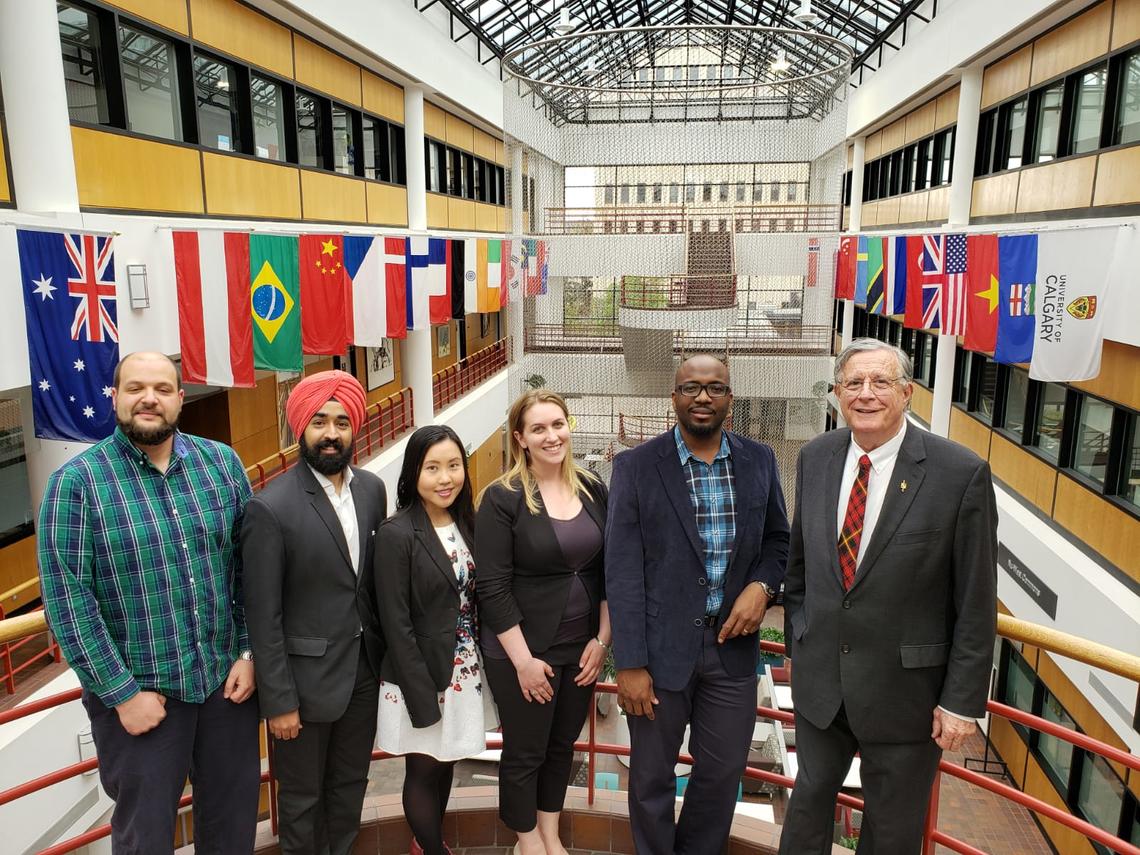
[(902, 486)]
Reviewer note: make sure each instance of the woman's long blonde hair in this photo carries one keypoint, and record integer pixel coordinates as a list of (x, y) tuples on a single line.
[(518, 475)]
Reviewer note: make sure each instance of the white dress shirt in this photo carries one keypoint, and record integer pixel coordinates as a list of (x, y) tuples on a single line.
[(882, 467), (345, 512), (878, 480)]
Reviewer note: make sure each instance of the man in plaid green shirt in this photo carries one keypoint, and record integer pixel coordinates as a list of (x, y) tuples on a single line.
[(141, 581)]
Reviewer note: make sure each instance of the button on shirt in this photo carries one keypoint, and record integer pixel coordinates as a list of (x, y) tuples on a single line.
[(140, 570), (882, 466), (712, 489), (345, 512)]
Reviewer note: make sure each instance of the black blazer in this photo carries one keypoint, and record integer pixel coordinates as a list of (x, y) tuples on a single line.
[(523, 577), (418, 596), (305, 608)]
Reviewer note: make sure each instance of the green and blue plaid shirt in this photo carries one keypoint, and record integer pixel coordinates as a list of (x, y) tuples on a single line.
[(140, 570), (712, 489)]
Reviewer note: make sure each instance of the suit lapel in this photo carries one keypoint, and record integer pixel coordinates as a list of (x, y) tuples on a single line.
[(745, 485), (677, 489), (829, 510), (908, 469), (324, 509), (425, 531), (363, 514)]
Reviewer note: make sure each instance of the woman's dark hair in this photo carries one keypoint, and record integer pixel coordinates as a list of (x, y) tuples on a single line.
[(407, 492)]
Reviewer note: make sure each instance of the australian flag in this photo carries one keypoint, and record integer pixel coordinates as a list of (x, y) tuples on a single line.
[(68, 282)]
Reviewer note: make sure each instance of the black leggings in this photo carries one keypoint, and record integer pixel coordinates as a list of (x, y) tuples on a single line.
[(427, 785)]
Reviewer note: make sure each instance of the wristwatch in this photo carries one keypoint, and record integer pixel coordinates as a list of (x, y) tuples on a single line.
[(247, 655), (768, 589)]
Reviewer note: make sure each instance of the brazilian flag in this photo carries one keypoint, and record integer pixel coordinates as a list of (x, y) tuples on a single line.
[(275, 300)]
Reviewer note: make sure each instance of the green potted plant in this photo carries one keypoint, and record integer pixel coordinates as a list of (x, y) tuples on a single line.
[(771, 633)]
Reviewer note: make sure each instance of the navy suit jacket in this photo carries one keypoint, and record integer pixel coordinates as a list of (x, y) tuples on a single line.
[(655, 571)]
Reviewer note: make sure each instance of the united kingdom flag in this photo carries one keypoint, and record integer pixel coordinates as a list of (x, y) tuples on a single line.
[(94, 282), (931, 265), (72, 346)]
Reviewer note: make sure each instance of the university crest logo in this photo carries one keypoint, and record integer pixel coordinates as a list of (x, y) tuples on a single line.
[(1082, 308)]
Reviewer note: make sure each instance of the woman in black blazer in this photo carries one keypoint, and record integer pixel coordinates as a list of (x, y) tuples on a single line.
[(542, 605), (431, 706)]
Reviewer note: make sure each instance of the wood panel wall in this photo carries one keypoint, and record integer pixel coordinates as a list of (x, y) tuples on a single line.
[(253, 420), (1072, 44), (921, 402), (1007, 77), (387, 204), (486, 463), (166, 13), (1057, 186), (18, 565), (239, 186), (970, 432), (381, 392), (333, 198), (381, 97), (1023, 472), (1112, 532), (114, 170), (1119, 378), (319, 68), (240, 31), (438, 363)]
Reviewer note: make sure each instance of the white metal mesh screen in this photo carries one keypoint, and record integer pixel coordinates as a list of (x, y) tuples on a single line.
[(691, 203)]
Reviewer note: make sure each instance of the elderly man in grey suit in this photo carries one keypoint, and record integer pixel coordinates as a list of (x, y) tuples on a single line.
[(307, 545), (889, 607)]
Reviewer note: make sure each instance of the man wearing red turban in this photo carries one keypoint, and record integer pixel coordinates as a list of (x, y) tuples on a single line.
[(307, 543)]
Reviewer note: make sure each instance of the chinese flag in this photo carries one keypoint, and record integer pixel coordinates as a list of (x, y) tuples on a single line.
[(845, 269), (912, 319), (981, 292), (324, 285)]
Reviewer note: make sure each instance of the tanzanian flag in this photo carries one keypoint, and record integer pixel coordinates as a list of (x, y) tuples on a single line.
[(275, 302)]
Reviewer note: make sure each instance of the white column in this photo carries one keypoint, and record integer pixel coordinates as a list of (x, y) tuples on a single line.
[(858, 161), (414, 154), (415, 355), (961, 188), (35, 104)]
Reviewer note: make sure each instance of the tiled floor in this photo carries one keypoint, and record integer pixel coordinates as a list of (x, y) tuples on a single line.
[(972, 815)]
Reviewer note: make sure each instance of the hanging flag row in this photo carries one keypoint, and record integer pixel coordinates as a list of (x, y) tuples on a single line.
[(248, 301), (1026, 298)]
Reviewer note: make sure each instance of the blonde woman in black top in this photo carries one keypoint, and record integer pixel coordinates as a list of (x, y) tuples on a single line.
[(538, 535)]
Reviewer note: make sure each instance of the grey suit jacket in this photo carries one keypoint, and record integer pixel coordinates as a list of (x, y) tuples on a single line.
[(917, 628), (305, 607)]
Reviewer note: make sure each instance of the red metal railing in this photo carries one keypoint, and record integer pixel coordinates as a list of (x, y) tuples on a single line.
[(679, 292), (672, 219), (592, 748), (51, 649), (385, 421), (793, 338), (459, 379)]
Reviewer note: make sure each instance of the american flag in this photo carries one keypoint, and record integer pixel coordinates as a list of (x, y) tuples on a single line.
[(954, 291), (1020, 299), (932, 278)]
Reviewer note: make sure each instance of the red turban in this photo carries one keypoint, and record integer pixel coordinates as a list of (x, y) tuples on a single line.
[(318, 389)]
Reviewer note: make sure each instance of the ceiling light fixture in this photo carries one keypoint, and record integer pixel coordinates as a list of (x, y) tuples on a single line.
[(565, 23), (805, 16), (780, 64)]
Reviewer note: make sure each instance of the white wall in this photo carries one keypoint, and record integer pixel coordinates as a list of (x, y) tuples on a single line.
[(614, 255)]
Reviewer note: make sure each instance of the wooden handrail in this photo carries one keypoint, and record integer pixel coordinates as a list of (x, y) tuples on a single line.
[(1070, 646), (19, 589)]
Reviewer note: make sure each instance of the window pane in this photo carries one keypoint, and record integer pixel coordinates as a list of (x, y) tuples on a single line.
[(368, 146), (15, 495), (1016, 394), (1100, 794), (214, 83), (82, 73), (1055, 754), (150, 84), (987, 391), (309, 131), (1050, 415), (468, 176), (344, 149), (1089, 107), (1019, 683), (1130, 476), (481, 183), (948, 138), (268, 118), (1092, 439), (1128, 124), (1015, 132), (1049, 122), (399, 173)]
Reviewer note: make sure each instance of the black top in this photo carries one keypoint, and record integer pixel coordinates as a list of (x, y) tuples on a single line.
[(525, 573)]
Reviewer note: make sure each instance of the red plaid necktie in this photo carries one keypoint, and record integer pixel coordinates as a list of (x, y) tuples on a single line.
[(853, 524)]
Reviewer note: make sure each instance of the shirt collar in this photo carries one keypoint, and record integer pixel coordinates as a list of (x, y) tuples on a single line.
[(180, 449), (328, 485), (686, 454), (885, 453)]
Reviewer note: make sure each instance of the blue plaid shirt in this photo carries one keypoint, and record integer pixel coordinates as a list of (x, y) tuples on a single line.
[(712, 488)]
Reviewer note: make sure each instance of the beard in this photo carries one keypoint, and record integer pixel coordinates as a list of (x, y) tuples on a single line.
[(153, 435), (702, 429), (327, 464)]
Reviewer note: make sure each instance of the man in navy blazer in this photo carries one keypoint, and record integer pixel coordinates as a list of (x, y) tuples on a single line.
[(696, 546)]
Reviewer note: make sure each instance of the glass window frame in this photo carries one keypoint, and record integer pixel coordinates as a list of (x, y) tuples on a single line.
[(1036, 118), (238, 84), (287, 134), (1074, 88), (182, 101), (106, 75), (1084, 405), (1005, 149)]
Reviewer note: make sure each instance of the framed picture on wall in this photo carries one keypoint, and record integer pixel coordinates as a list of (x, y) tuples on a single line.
[(381, 365), (443, 341), (484, 325)]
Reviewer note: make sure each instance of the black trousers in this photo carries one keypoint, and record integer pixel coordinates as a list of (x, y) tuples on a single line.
[(214, 744), (323, 773), (896, 781), (720, 711), (538, 741)]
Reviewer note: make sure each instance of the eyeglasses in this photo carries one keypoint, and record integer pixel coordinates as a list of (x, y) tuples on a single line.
[(879, 385), (713, 390)]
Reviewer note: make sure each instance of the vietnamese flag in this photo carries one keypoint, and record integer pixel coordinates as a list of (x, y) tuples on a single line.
[(845, 269), (982, 292), (324, 285), (912, 319)]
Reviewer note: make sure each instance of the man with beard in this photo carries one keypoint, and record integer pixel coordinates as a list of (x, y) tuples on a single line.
[(141, 582), (307, 547), (696, 546)]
